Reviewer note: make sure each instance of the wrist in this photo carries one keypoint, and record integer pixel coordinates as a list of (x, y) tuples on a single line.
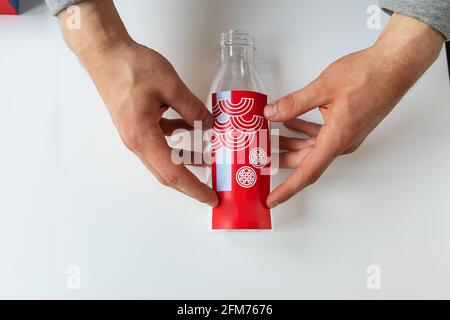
[(409, 42), (404, 51), (100, 31)]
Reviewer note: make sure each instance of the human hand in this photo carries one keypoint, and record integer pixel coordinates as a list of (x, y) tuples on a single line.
[(138, 85), (353, 94)]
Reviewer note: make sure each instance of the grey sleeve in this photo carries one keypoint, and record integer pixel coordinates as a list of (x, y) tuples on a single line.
[(435, 13), (56, 6)]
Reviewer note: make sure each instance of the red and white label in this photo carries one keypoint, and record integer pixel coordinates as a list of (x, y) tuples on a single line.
[(241, 160)]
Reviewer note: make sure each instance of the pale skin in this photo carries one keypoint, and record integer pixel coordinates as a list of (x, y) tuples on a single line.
[(137, 85), (353, 94)]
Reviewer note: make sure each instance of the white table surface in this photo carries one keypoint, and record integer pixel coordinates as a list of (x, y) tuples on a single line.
[(71, 194)]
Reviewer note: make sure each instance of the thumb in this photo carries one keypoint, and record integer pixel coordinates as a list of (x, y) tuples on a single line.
[(296, 103), (314, 163)]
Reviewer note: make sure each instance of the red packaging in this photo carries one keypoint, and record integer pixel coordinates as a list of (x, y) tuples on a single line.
[(241, 160)]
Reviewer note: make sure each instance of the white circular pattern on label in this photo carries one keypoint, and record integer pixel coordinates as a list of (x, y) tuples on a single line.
[(246, 177), (258, 157)]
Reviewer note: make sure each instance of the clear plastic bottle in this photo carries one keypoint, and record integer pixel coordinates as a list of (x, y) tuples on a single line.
[(237, 64), (240, 141)]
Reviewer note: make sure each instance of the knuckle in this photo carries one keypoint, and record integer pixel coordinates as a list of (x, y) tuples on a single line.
[(199, 113), (341, 139), (168, 180), (347, 129), (353, 148), (320, 85), (350, 150), (312, 177), (346, 136), (287, 104), (131, 138)]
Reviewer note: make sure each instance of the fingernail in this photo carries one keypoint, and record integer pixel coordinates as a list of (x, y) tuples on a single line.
[(270, 110)]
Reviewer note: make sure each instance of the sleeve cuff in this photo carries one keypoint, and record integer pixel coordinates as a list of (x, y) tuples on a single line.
[(56, 6), (435, 13)]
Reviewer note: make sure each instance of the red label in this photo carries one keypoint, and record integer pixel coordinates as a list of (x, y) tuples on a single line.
[(241, 160)]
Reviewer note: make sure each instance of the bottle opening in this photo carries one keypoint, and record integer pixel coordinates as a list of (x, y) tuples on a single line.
[(237, 37)]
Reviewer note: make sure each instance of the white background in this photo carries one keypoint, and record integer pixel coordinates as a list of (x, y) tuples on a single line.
[(71, 194)]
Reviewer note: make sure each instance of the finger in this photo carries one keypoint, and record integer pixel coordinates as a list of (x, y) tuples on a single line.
[(309, 128), (308, 171), (290, 160), (170, 174), (202, 165), (297, 103), (190, 107), (294, 144), (191, 158), (168, 126)]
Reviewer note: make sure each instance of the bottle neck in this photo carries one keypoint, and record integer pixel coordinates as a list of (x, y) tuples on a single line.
[(237, 56), (238, 67)]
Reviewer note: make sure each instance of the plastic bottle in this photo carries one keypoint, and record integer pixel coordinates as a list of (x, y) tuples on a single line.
[(240, 138)]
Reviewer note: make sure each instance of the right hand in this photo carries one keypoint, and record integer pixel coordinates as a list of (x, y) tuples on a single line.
[(138, 85)]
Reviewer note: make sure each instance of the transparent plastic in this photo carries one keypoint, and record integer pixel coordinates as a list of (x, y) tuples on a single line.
[(237, 65)]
